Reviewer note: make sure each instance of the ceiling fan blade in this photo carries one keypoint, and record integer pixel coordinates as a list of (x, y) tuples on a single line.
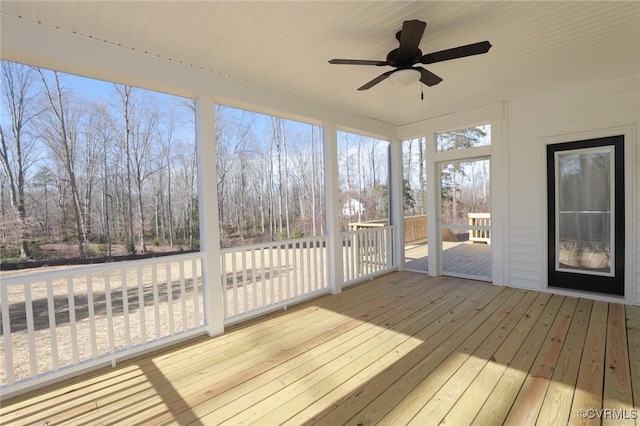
[(410, 37), (358, 62), (376, 80), (456, 52), (427, 77)]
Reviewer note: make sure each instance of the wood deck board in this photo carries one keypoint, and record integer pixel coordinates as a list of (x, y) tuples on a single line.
[(296, 377), (412, 368), (476, 394), (617, 375), (442, 386), (556, 408), (633, 340), (588, 389), (499, 403), (528, 403), (446, 397), (401, 348)]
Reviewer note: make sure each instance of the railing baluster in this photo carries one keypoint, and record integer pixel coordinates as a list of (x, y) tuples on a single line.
[(290, 268), (92, 316), (72, 321), (6, 333), (317, 250), (272, 276), (169, 278), (371, 250), (371, 240), (52, 325), (143, 326), (234, 274), (346, 255), (225, 286), (379, 249), (323, 255), (33, 360), (390, 235), (279, 260), (125, 306), (156, 302), (107, 292), (183, 295), (196, 297), (245, 293), (253, 279), (309, 281), (263, 283)]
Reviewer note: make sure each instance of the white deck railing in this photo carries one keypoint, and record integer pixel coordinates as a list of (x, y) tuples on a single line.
[(263, 277), (59, 322), (64, 322), (367, 252), (482, 227)]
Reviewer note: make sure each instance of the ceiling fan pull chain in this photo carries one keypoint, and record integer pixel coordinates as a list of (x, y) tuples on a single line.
[(421, 93)]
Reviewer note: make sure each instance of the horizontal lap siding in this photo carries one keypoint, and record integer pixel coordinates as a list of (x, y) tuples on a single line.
[(599, 106), (637, 212)]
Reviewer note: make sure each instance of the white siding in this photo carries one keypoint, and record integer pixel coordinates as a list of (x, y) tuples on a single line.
[(636, 199), (605, 105)]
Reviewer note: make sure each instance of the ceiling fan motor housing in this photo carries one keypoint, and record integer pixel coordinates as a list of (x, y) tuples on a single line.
[(403, 62)]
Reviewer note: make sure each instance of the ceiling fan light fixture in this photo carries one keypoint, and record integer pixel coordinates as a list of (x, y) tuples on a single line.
[(404, 77)]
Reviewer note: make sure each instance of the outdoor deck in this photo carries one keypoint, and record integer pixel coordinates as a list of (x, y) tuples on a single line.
[(457, 257), (402, 348)]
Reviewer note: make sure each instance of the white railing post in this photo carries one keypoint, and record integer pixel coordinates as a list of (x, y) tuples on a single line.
[(332, 206), (208, 212)]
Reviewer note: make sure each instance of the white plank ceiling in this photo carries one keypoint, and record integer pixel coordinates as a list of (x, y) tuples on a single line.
[(538, 46)]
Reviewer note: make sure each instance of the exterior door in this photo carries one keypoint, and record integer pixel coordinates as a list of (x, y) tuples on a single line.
[(585, 187), (465, 218)]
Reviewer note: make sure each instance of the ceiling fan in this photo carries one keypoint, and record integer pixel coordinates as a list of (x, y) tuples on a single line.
[(408, 54)]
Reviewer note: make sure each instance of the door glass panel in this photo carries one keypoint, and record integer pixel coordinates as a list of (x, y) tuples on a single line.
[(585, 200), (414, 202), (465, 190)]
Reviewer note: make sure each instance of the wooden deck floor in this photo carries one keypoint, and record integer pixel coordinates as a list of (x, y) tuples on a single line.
[(404, 348), (458, 258)]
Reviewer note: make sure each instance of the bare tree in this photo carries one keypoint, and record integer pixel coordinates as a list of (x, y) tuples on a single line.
[(17, 146), (144, 130), (126, 99), (60, 134)]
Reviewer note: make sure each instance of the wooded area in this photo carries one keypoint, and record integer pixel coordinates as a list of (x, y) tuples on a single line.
[(111, 173), (271, 178)]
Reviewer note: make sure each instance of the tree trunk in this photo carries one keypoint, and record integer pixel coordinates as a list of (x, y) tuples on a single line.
[(65, 151)]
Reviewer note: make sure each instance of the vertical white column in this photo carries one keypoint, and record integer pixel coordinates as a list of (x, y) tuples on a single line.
[(208, 210), (434, 215), (499, 206), (396, 208), (332, 206)]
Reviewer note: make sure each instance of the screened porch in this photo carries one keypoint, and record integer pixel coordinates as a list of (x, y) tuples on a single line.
[(403, 348)]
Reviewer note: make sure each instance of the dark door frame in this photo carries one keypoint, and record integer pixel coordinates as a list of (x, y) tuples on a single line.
[(576, 281)]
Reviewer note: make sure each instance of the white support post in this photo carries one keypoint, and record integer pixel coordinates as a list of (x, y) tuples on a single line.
[(499, 209), (396, 208), (332, 206), (209, 220), (434, 215)]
